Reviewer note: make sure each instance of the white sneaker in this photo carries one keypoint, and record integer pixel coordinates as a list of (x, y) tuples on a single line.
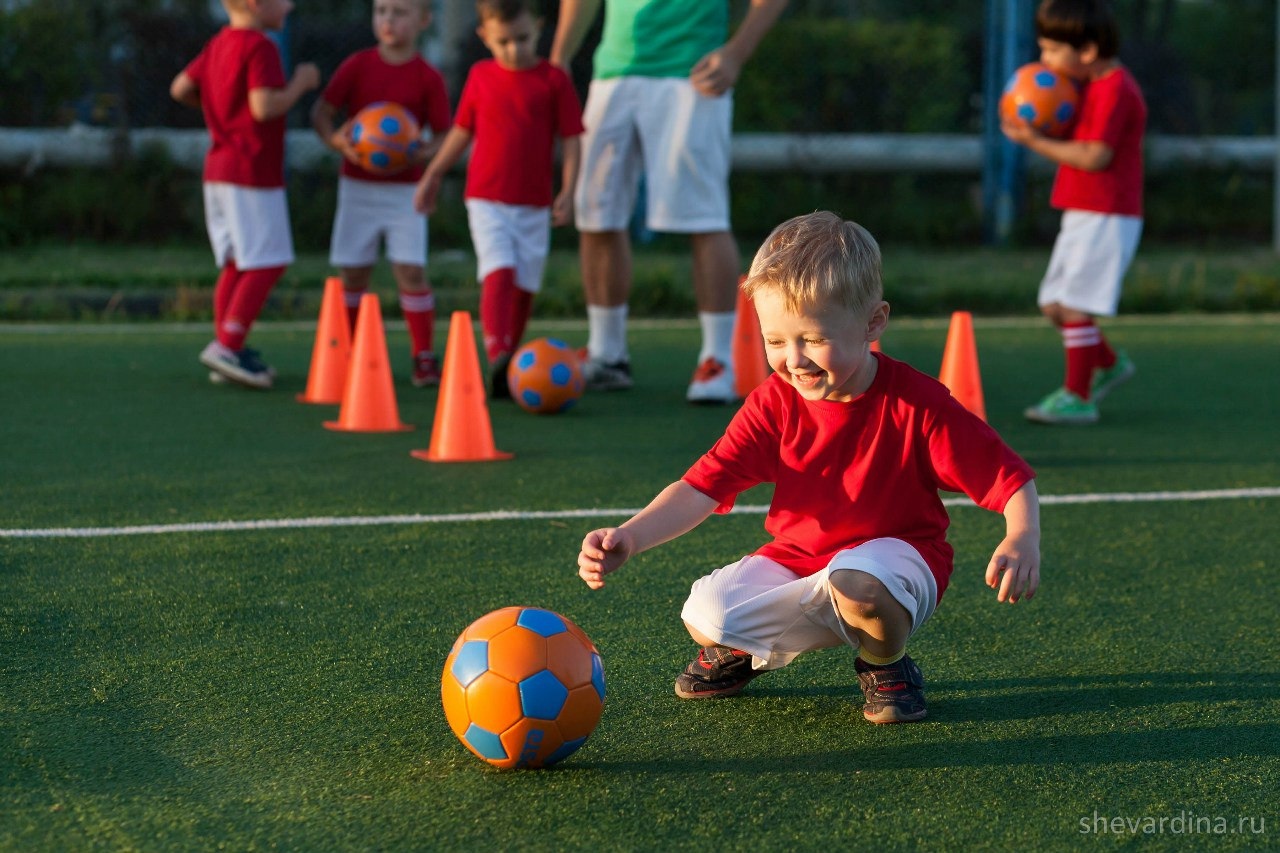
[(712, 383), (243, 367)]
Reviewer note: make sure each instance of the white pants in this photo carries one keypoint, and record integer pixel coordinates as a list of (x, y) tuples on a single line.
[(1090, 258), (510, 235), (248, 225), (677, 137), (759, 606), (370, 213)]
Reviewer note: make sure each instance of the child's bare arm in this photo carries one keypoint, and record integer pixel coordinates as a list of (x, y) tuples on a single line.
[(570, 157), (451, 150), (1014, 569), (1090, 155), (324, 120), (184, 90), (675, 511), (266, 104)]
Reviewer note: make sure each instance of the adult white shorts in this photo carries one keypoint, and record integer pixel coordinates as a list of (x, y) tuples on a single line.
[(248, 225), (1090, 258), (514, 236), (678, 138), (370, 213), (762, 607)]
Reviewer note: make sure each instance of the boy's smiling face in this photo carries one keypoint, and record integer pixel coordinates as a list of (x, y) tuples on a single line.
[(824, 351), (514, 43)]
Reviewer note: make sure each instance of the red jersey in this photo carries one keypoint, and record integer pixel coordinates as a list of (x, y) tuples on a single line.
[(242, 150), (515, 117), (365, 78), (846, 473), (1112, 110)]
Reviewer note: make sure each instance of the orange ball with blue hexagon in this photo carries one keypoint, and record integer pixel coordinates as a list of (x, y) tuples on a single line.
[(1042, 98), (545, 376), (523, 687), (385, 135)]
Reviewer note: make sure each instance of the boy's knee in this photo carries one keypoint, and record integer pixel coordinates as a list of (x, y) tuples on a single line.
[(859, 595)]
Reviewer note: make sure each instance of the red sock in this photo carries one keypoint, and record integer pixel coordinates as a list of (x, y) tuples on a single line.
[(419, 310), (351, 298), (222, 292), (251, 291), (521, 310), (1104, 356), (1080, 343), (497, 296)]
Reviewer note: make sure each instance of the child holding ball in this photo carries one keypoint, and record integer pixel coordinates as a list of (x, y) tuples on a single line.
[(857, 446)]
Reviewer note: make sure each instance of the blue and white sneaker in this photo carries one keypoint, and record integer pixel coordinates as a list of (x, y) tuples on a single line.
[(244, 367)]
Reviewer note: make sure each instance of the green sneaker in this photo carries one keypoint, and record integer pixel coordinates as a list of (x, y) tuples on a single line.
[(1106, 379), (1062, 407)]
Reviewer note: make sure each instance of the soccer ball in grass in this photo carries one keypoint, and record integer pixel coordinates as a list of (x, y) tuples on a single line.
[(545, 376), (1040, 97), (385, 135), (522, 687)]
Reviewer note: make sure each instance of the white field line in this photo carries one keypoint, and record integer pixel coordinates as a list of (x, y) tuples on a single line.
[(661, 323), (551, 515)]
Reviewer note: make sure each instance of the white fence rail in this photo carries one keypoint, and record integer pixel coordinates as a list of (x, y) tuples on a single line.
[(81, 146)]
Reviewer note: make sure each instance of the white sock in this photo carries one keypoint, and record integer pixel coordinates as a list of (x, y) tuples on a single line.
[(607, 333), (717, 336)]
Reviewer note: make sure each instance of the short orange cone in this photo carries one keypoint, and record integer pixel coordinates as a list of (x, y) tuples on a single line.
[(462, 431), (332, 350), (369, 397), (960, 371), (750, 367), (875, 346)]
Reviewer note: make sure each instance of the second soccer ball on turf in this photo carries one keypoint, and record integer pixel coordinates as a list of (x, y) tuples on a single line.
[(1043, 98), (545, 376), (385, 135)]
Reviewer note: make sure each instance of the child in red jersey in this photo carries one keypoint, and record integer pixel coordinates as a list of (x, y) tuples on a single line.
[(238, 82), (374, 208), (515, 107), (857, 446), (1098, 188)]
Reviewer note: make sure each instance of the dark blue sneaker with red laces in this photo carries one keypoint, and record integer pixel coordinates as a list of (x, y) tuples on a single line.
[(716, 672), (894, 693)]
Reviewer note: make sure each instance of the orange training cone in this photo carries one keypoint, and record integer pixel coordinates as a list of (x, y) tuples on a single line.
[(462, 431), (960, 372), (750, 367), (369, 398), (332, 350)]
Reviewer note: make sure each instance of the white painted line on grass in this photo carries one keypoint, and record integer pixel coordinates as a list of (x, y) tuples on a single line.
[(552, 515)]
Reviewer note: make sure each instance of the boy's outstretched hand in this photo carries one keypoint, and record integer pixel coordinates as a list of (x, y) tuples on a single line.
[(1014, 569), (603, 551)]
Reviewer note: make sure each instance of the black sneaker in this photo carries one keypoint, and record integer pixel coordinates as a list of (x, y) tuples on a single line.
[(894, 693), (498, 387), (717, 671)]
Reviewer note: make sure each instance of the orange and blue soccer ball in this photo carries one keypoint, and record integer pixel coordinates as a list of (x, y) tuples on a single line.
[(1038, 96), (523, 687), (384, 135), (545, 376)]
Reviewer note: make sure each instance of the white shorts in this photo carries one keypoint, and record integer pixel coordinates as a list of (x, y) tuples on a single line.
[(248, 225), (370, 213), (678, 138), (1090, 258), (510, 235), (759, 606)]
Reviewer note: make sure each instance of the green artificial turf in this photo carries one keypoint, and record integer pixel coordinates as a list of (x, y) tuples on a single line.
[(279, 688)]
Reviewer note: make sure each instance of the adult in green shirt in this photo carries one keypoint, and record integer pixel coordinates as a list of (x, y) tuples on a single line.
[(660, 103)]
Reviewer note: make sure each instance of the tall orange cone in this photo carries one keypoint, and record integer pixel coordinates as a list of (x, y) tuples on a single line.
[(750, 367), (960, 371), (332, 350), (462, 431), (369, 397)]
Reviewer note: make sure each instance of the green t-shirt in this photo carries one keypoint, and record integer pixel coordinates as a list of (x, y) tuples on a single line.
[(658, 38)]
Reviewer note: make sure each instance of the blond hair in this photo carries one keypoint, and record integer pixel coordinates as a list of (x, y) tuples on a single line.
[(819, 259)]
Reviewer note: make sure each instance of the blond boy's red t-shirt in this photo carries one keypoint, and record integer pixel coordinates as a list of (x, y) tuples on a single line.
[(1112, 110), (515, 118), (242, 150), (366, 78), (847, 473)]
